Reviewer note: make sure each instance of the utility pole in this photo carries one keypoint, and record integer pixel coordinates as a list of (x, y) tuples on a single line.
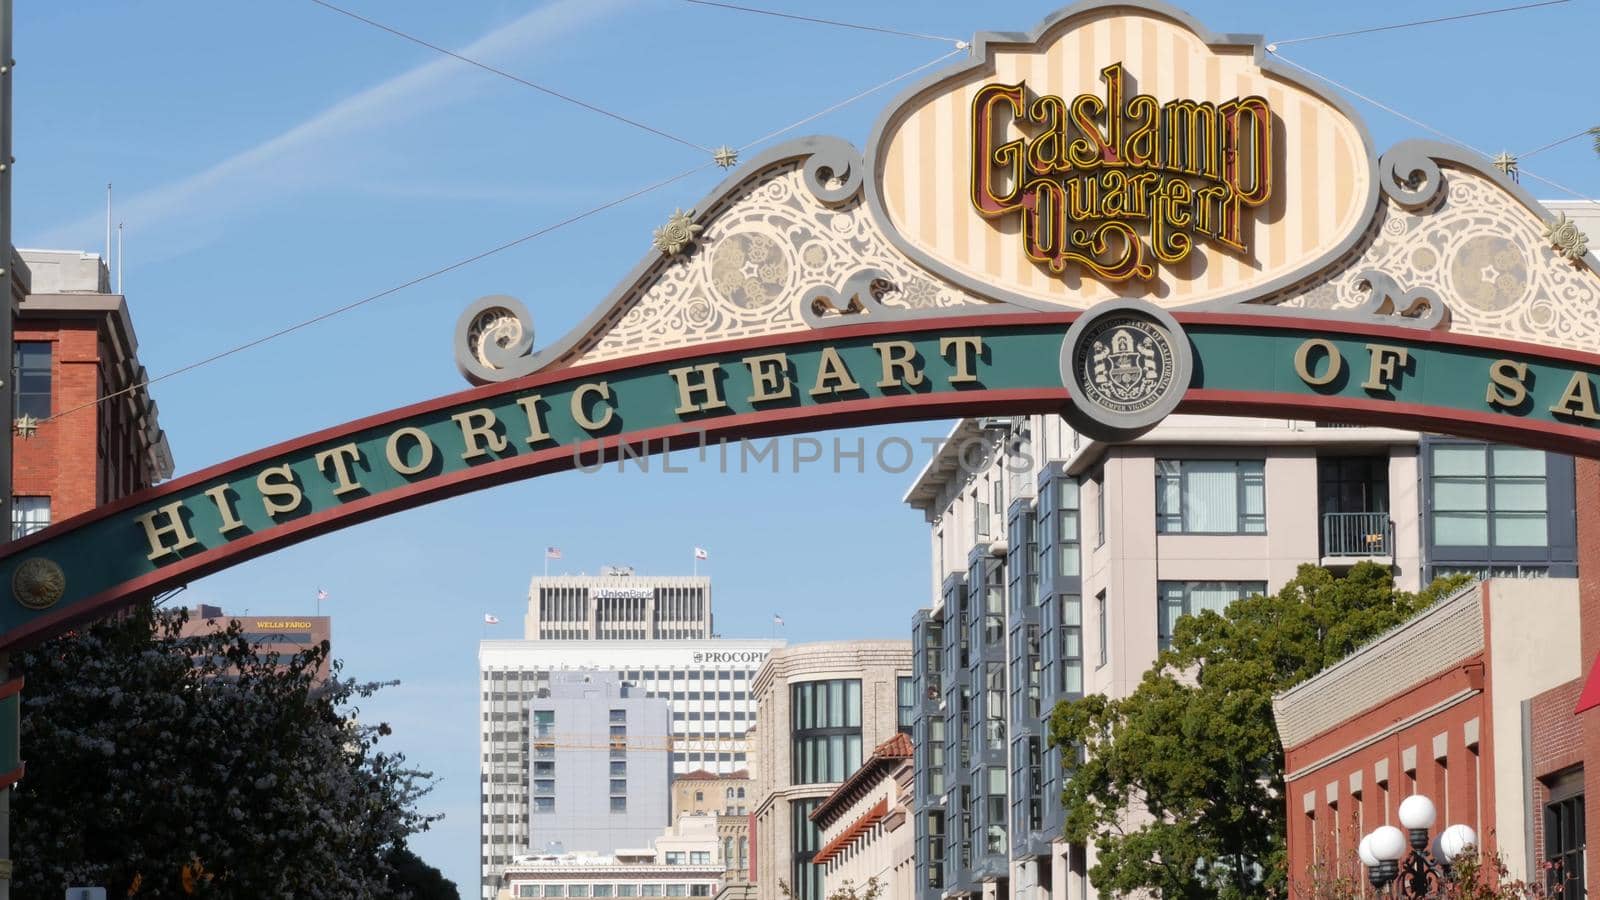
[(11, 726)]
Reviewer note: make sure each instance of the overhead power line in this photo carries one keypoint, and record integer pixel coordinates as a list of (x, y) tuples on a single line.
[(1433, 21), (1430, 129), (1378, 103), (568, 98), (426, 276), (959, 44), (466, 261), (1554, 144)]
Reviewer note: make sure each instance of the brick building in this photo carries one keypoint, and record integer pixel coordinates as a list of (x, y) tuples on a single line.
[(74, 345), (273, 637), (1470, 704)]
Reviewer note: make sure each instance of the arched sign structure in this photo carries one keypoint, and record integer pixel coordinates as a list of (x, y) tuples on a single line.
[(1114, 216)]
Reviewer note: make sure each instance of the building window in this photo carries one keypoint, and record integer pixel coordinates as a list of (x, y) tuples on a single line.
[(1182, 598), (544, 804), (1488, 496), (1100, 512), (980, 517), (29, 514), (32, 360), (1211, 496), (906, 707), (674, 857), (544, 722), (603, 890), (1105, 630), (805, 879), (577, 890), (825, 721), (1564, 841), (1070, 644), (619, 715), (744, 853), (619, 804)]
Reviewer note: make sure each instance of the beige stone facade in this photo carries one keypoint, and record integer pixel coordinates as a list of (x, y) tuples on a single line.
[(868, 838), (728, 797), (789, 761)]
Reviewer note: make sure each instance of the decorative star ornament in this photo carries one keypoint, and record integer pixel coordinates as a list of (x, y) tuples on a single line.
[(725, 156), (1507, 164), (25, 426), (676, 236), (1565, 238)]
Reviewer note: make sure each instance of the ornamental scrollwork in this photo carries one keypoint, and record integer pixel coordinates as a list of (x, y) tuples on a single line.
[(494, 340)]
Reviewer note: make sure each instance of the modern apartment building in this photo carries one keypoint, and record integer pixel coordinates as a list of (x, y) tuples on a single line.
[(822, 708), (589, 731), (1060, 565), (706, 684), (617, 605), (75, 344)]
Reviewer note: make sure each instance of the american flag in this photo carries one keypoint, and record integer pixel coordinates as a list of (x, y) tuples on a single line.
[(777, 619), (321, 594), (552, 553), (491, 619), (700, 553)]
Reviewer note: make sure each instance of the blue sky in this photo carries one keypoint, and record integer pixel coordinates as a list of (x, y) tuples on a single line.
[(273, 161)]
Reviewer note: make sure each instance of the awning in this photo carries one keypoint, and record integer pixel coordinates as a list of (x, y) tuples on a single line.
[(1590, 698)]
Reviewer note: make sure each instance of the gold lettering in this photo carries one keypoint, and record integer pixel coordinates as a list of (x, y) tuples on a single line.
[(219, 496), (901, 357), (1578, 399), (993, 165), (1386, 363), (707, 386), (279, 492), (831, 368), (341, 457), (969, 349), (391, 450), (157, 534), (479, 438), (1302, 362), (768, 373), (600, 389), (1506, 384), (530, 405)]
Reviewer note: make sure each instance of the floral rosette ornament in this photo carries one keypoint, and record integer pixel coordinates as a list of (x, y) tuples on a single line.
[(1565, 237), (679, 232)]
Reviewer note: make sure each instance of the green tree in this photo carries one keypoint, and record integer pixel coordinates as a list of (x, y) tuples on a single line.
[(168, 766), (1193, 752), (416, 879)]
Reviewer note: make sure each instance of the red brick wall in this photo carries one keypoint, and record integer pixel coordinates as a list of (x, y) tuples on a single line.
[(1557, 746), (61, 460), (1322, 841), (1588, 484)]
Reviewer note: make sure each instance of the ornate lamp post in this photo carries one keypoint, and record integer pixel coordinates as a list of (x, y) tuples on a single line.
[(1420, 873)]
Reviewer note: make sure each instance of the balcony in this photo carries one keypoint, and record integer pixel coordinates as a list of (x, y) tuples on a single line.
[(1348, 538)]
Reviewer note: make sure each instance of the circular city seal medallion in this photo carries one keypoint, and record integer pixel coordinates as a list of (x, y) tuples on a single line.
[(38, 583), (1126, 365)]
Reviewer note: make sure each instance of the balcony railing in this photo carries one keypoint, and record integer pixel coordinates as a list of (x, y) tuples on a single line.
[(1357, 534)]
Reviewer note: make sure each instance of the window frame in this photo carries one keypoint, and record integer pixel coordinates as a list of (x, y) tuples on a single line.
[(1242, 519)]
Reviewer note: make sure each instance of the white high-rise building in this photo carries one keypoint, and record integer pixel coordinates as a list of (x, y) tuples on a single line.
[(614, 623), (618, 605)]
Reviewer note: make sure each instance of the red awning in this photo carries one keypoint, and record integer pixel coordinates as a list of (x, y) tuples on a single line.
[(1590, 698)]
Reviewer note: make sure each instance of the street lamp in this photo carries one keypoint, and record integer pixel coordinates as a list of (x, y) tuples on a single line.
[(1422, 873)]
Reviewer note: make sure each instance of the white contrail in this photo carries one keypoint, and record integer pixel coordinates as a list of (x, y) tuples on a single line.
[(184, 214)]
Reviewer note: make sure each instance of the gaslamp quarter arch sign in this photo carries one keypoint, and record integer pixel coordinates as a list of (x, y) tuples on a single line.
[(1114, 216)]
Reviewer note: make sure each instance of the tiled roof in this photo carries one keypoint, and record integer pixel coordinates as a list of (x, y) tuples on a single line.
[(885, 757)]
